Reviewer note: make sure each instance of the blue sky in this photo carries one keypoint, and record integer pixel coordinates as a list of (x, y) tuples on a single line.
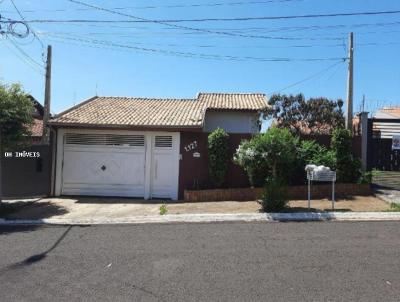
[(82, 68)]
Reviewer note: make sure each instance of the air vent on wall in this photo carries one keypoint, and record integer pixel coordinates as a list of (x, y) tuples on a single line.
[(164, 141), (104, 139)]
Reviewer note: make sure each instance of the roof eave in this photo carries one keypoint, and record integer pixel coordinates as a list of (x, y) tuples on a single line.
[(119, 126)]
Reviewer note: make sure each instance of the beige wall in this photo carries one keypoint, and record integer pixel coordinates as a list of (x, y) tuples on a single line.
[(232, 122)]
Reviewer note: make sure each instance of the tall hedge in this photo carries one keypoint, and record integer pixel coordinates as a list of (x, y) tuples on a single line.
[(347, 166), (218, 156)]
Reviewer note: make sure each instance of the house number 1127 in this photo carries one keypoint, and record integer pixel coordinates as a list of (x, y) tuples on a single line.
[(191, 146)]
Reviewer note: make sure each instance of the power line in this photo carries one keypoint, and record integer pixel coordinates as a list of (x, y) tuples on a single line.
[(160, 21), (309, 77), (166, 23), (215, 4), (199, 45), (23, 19), (24, 57), (195, 55)]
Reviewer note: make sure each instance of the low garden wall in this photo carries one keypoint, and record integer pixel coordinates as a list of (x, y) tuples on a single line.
[(295, 192)]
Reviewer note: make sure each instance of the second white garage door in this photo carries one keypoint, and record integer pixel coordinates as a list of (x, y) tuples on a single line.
[(143, 165)]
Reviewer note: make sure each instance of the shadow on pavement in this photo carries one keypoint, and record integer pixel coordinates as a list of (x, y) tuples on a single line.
[(39, 257), (5, 230), (313, 210), (30, 210)]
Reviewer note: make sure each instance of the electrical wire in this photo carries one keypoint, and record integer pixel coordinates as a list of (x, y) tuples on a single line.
[(200, 45), (167, 23), (195, 55), (309, 77), (30, 28), (215, 4), (24, 57), (160, 21)]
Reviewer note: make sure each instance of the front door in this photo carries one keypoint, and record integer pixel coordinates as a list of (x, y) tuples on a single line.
[(164, 164)]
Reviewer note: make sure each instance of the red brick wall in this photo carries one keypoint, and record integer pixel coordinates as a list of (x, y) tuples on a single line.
[(295, 192), (193, 171)]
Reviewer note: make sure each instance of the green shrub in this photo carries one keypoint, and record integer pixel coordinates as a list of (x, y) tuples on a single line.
[(218, 156), (272, 153), (274, 198), (394, 207), (310, 152), (365, 177), (163, 209), (251, 160), (347, 166)]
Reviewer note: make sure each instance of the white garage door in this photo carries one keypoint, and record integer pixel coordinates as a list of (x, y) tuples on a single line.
[(104, 164), (128, 164)]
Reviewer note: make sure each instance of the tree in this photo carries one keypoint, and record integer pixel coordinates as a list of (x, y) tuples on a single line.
[(316, 115), (218, 156), (15, 118)]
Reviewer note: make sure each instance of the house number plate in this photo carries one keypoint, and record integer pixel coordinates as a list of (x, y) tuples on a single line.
[(191, 146)]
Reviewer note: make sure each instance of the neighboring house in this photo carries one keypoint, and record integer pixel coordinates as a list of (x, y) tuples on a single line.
[(37, 128), (390, 124), (26, 176), (148, 148), (388, 113)]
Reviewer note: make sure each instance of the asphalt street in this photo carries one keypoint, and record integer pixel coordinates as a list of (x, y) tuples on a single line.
[(313, 261)]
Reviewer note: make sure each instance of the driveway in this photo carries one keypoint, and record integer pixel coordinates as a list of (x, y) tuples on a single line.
[(325, 261)]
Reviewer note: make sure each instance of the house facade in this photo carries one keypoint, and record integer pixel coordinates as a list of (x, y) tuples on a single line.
[(147, 148)]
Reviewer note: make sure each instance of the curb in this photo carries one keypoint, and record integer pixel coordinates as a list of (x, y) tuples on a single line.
[(204, 218)]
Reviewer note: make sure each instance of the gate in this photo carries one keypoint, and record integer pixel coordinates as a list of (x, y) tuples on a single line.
[(380, 155)]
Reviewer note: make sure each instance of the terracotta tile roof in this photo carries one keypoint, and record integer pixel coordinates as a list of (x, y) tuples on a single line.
[(143, 112), (37, 128), (233, 101), (395, 111)]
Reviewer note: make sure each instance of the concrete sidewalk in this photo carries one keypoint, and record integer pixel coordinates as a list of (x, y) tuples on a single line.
[(209, 218)]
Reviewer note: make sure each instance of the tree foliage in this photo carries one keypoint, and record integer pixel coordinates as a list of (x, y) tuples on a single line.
[(316, 115), (347, 166), (15, 115), (271, 154), (218, 156)]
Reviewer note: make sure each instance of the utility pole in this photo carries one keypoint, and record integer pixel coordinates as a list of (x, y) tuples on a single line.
[(363, 103), (47, 99), (349, 116)]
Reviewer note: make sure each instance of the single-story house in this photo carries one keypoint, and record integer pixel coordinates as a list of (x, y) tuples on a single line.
[(387, 122), (145, 147)]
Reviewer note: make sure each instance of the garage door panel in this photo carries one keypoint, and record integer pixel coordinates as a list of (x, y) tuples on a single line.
[(104, 167), (104, 170), (124, 164)]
